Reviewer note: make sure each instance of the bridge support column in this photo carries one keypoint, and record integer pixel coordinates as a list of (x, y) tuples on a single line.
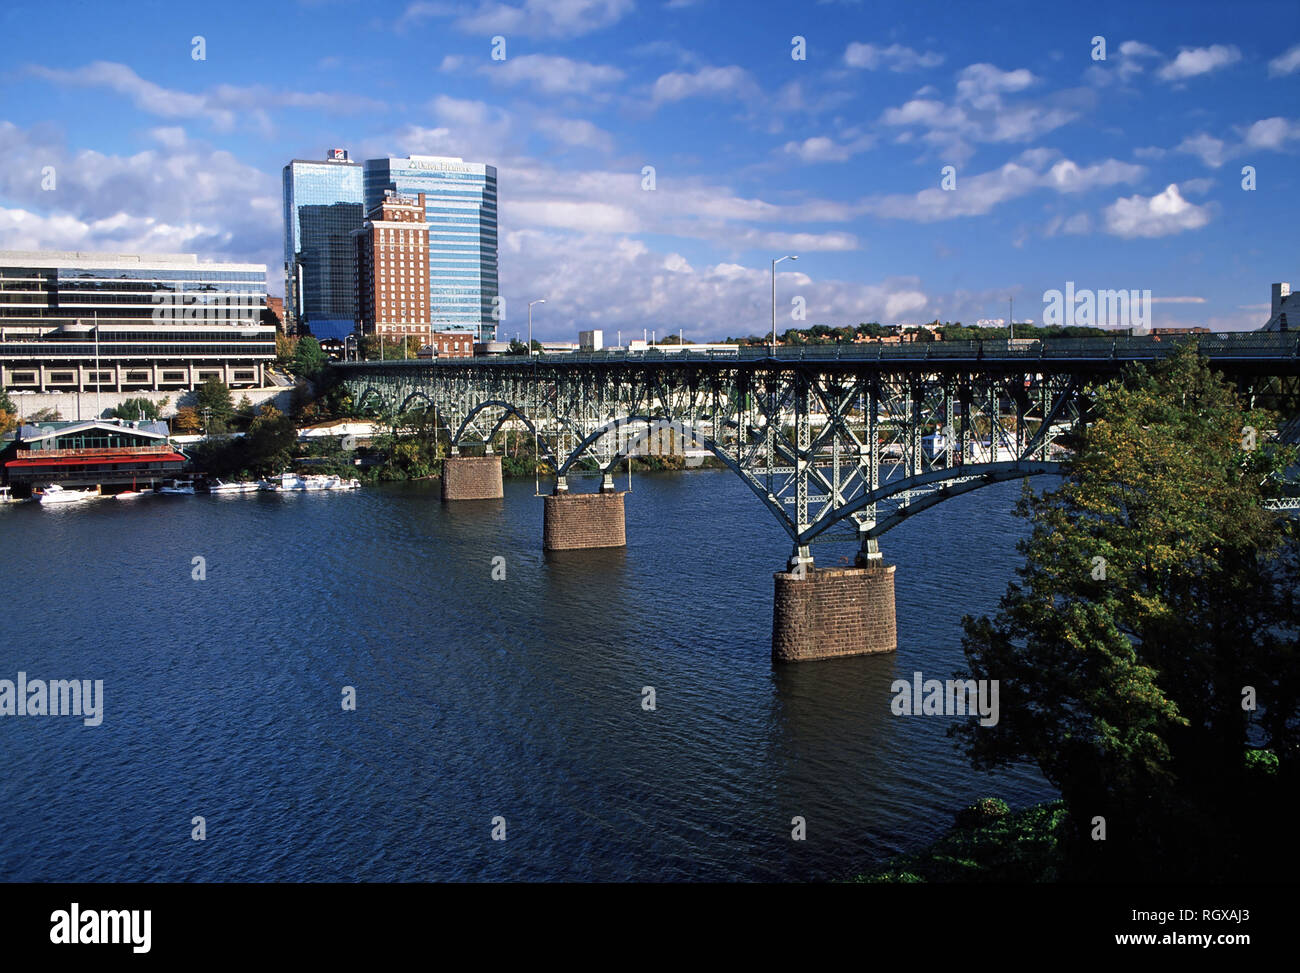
[(471, 478), (575, 521), (829, 613)]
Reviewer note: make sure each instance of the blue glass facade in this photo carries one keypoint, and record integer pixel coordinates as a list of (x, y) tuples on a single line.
[(323, 204), (461, 210)]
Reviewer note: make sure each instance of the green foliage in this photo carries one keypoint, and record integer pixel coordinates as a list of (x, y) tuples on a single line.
[(6, 403), (138, 408), (309, 359), (1020, 846), (1154, 588), (984, 811), (214, 397), (1261, 762)]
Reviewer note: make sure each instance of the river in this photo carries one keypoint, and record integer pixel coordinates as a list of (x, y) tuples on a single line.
[(477, 699)]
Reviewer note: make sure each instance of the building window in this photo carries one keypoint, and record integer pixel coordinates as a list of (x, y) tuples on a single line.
[(24, 378), (173, 376), (61, 377)]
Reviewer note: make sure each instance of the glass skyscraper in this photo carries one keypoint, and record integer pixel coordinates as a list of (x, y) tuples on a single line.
[(461, 210), (324, 203)]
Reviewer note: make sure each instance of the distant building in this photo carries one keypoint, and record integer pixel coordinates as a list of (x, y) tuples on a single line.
[(591, 340), (274, 315), (76, 322), (393, 269), (461, 209), (1284, 303), (96, 453), (324, 201)]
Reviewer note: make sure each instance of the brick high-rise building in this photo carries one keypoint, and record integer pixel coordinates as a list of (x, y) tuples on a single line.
[(393, 269)]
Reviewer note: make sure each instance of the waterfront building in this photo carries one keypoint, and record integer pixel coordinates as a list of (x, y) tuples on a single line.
[(72, 321), (101, 452), (392, 248), (461, 210), (324, 203)]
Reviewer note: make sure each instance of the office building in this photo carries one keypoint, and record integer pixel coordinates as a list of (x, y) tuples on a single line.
[(392, 249), (323, 204), (76, 322), (461, 210)]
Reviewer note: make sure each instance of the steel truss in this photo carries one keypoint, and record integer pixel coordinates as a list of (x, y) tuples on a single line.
[(836, 451)]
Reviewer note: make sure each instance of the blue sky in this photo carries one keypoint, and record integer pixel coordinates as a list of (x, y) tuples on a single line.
[(1116, 173)]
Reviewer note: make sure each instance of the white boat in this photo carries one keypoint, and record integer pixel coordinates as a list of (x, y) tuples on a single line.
[(56, 494), (292, 482), (177, 486), (130, 495), (220, 486)]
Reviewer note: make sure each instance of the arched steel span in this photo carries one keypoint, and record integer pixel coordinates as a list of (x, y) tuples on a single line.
[(507, 410), (837, 445)]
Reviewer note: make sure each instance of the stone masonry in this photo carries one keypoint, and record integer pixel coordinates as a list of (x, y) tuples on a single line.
[(834, 612), (471, 478), (571, 521)]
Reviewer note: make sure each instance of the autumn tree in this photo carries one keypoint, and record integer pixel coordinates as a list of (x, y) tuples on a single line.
[(187, 420), (1149, 646)]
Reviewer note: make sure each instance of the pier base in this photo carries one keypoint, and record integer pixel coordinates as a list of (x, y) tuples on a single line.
[(830, 613), (471, 478), (572, 521)]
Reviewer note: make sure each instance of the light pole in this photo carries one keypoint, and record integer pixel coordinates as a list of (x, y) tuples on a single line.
[(776, 261), (530, 324)]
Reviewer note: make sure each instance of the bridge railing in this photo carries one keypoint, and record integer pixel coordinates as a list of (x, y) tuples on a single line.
[(1246, 344)]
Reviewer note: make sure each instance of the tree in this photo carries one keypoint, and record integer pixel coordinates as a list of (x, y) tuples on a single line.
[(139, 408), (213, 396), (285, 346), (1155, 587), (270, 443), (8, 413), (517, 347), (187, 420), (308, 358)]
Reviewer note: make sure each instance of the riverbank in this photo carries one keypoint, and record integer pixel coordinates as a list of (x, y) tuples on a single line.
[(989, 843)]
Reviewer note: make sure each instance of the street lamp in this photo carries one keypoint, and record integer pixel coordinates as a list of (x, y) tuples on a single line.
[(774, 263), (530, 324)]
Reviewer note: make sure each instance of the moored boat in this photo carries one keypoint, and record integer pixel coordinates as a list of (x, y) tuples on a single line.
[(55, 494), (177, 486), (220, 486)]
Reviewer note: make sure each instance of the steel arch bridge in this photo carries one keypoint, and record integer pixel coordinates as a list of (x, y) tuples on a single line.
[(840, 443)]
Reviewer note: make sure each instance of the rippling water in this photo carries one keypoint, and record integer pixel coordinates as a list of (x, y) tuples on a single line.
[(476, 698)]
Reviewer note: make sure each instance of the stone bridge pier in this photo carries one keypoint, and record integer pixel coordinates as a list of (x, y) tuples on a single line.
[(831, 613)]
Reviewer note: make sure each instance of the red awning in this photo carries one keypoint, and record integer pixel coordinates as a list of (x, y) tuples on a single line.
[(96, 460)]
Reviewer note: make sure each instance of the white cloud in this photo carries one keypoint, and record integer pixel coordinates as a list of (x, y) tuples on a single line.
[(728, 82), (821, 148), (979, 194), (552, 75), (1193, 61), (1164, 214), (1271, 133), (544, 18), (223, 105), (1286, 63), (895, 57), (1205, 147)]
